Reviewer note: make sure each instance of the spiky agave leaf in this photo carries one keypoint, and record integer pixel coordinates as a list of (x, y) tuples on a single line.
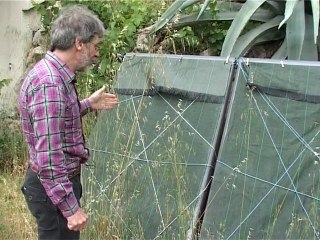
[(295, 29), (204, 6), (179, 5), (282, 52), (315, 12), (171, 12), (297, 43), (261, 15), (290, 6), (310, 49), (276, 6), (248, 40), (238, 25)]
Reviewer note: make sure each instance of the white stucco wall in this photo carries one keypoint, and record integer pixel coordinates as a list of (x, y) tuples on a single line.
[(18, 21)]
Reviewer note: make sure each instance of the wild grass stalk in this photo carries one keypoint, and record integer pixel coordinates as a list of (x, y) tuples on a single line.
[(16, 221), (116, 208)]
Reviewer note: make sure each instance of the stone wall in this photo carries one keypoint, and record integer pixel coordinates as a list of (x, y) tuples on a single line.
[(18, 24)]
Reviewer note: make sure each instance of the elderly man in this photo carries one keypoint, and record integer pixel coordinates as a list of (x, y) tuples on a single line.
[(51, 114)]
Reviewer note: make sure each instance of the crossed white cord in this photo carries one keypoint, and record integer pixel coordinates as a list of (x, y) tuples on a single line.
[(274, 109), (306, 144)]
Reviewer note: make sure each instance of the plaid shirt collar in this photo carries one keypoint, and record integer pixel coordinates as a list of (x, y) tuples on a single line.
[(67, 74)]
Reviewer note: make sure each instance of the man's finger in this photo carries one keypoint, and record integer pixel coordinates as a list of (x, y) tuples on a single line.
[(77, 227), (110, 95), (102, 89), (71, 226)]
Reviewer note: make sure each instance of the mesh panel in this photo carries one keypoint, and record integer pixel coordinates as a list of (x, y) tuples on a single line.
[(151, 154), (266, 181)]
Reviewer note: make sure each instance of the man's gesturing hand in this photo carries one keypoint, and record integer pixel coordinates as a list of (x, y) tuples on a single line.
[(101, 100), (78, 221)]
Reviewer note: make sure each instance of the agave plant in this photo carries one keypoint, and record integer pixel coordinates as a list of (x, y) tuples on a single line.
[(294, 22)]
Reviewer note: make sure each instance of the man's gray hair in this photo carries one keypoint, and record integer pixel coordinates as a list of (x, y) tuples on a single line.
[(74, 22)]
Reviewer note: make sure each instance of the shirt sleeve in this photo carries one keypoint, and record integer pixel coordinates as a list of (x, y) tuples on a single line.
[(85, 106), (47, 107)]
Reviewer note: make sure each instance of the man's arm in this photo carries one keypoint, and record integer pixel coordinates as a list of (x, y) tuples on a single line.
[(99, 100), (47, 108)]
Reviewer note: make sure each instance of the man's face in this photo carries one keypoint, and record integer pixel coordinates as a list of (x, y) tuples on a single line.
[(89, 54)]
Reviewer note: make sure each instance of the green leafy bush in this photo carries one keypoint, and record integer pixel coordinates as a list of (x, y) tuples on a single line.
[(122, 19)]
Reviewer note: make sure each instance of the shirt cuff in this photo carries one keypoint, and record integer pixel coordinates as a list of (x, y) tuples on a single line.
[(85, 106), (69, 206), (85, 156), (87, 103)]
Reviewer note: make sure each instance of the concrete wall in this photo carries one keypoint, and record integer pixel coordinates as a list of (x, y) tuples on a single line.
[(18, 22)]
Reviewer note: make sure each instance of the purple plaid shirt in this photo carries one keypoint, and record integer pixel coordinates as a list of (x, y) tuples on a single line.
[(51, 113)]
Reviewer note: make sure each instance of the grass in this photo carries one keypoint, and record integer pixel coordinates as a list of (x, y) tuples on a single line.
[(111, 219), (16, 222), (129, 208)]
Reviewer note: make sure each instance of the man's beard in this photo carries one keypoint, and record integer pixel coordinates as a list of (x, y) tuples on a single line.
[(86, 61)]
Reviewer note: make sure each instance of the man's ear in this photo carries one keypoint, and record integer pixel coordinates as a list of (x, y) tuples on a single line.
[(78, 44)]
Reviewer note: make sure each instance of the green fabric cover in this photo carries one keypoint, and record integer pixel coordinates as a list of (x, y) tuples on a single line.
[(266, 181), (150, 155), (184, 73)]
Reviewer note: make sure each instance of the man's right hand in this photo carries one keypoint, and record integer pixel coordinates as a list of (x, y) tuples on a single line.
[(78, 221)]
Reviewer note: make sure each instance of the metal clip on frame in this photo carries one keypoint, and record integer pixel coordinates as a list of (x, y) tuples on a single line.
[(227, 60)]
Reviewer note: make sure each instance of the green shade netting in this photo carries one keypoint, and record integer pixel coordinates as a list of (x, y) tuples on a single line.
[(149, 156), (266, 180)]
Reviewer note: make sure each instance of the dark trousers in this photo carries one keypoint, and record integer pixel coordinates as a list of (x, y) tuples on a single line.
[(51, 223)]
